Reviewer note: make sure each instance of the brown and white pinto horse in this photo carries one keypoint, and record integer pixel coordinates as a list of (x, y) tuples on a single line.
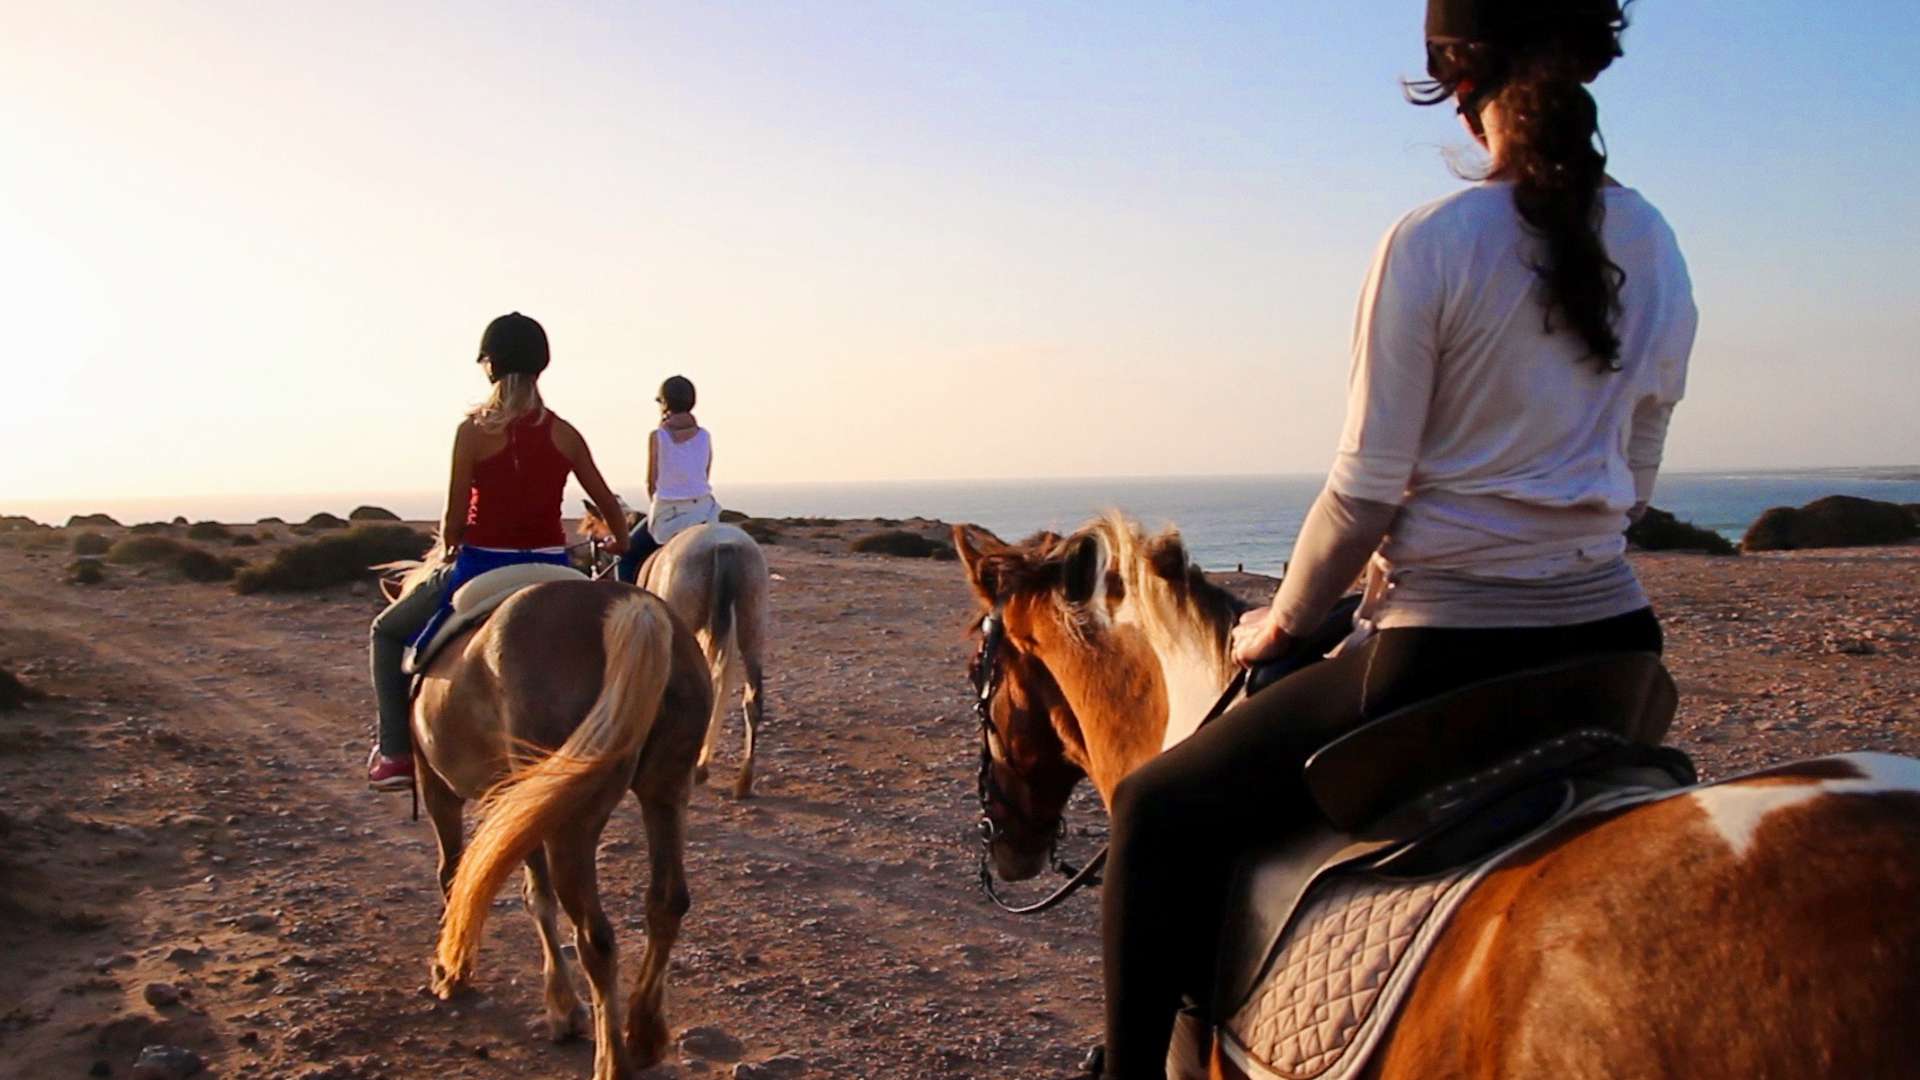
[(570, 695), (1765, 926)]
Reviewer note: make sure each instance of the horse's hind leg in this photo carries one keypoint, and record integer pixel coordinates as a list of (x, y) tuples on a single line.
[(565, 1018), (443, 809), (667, 903), (576, 882), (750, 706)]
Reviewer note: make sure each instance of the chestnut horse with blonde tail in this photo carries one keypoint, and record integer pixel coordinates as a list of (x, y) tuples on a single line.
[(570, 695), (1764, 926), (715, 578)]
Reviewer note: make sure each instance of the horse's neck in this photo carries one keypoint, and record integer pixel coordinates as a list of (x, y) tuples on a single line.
[(1194, 673)]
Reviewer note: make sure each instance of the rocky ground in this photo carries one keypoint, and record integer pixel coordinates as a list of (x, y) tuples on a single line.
[(188, 855)]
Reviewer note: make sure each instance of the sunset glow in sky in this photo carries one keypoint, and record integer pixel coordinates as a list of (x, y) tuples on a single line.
[(251, 247)]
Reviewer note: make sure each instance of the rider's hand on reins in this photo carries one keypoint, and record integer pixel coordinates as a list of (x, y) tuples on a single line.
[(1259, 638), (614, 545)]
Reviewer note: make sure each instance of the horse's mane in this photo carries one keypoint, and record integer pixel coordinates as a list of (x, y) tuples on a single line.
[(1171, 593)]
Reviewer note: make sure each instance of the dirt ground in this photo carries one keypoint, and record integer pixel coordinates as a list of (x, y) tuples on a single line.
[(188, 853)]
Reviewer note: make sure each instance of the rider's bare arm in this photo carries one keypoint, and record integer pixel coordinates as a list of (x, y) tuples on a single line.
[(453, 523), (653, 464), (574, 448)]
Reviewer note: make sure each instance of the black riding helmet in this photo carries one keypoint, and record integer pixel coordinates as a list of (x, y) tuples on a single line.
[(516, 344), (676, 394)]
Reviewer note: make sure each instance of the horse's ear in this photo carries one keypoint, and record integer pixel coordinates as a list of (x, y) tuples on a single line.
[(592, 511), (1085, 569), (979, 551)]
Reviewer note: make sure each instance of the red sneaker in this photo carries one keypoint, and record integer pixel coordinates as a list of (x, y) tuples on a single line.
[(389, 773)]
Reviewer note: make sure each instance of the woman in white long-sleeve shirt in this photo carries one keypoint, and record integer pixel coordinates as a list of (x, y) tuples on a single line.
[(1519, 348)]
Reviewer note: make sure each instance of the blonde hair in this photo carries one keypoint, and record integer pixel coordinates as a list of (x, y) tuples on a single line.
[(514, 396)]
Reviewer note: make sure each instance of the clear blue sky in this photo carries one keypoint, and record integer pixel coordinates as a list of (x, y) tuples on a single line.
[(254, 245)]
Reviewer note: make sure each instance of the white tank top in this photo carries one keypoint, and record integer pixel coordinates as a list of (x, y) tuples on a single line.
[(680, 468)]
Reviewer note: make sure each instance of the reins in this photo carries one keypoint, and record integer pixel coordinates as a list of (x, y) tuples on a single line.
[(985, 674)]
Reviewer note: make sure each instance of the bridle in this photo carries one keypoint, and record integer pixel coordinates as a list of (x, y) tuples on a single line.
[(985, 674)]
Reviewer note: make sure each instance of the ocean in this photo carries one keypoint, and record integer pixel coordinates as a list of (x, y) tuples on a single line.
[(1227, 521)]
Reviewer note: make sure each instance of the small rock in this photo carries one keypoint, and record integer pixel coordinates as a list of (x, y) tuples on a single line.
[(160, 995), (166, 1063), (773, 1068), (256, 922), (710, 1043)]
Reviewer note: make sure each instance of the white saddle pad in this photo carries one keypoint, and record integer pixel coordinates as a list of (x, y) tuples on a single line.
[(476, 600)]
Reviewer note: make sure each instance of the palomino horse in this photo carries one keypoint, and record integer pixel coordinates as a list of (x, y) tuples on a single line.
[(715, 579), (1759, 927), (570, 695)]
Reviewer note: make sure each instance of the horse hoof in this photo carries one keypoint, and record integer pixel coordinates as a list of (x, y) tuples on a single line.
[(743, 787), (561, 1029), (647, 1043), (446, 985)]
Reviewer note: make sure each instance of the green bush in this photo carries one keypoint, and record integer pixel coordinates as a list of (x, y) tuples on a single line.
[(208, 530), (331, 560), (91, 543), (906, 545), (324, 520), (372, 513), (86, 572)]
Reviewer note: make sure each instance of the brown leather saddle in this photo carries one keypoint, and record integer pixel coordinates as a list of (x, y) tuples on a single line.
[(1444, 782)]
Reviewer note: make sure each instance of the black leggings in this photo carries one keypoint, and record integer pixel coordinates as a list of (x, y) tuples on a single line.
[(1182, 820)]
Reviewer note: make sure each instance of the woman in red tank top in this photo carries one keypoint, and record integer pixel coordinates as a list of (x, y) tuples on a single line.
[(511, 460)]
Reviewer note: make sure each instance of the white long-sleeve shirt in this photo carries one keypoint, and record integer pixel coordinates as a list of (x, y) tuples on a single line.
[(1513, 457)]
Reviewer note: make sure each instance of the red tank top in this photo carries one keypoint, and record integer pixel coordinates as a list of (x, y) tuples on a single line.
[(517, 490)]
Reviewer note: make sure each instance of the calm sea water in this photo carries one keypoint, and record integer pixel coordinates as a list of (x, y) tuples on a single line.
[(1227, 521)]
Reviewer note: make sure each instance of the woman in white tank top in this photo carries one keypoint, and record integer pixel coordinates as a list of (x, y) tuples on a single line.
[(679, 464)]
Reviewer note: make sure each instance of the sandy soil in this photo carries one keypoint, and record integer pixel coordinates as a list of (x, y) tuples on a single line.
[(183, 817)]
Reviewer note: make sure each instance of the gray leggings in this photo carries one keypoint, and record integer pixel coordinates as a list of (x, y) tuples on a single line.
[(387, 643)]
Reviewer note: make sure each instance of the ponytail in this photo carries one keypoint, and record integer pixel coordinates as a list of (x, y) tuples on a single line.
[(1557, 164)]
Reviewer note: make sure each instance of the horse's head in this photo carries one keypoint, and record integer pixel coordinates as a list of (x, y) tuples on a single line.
[(594, 527), (1103, 634)]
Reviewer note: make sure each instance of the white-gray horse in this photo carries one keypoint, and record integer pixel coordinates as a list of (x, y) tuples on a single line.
[(715, 579)]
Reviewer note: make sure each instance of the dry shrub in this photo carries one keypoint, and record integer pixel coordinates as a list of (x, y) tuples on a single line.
[(199, 564), (372, 513), (151, 528), (762, 530), (271, 521), (323, 520), (1658, 530), (906, 545), (91, 543), (86, 572), (148, 549), (179, 519), (208, 530), (333, 560), (96, 521), (244, 540), (734, 517), (11, 523)]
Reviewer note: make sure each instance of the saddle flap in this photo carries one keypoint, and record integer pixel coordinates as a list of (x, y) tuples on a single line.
[(1359, 777), (473, 602)]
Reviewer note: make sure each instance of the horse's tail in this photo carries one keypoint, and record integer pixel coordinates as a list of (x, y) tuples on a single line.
[(726, 593), (526, 807)]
